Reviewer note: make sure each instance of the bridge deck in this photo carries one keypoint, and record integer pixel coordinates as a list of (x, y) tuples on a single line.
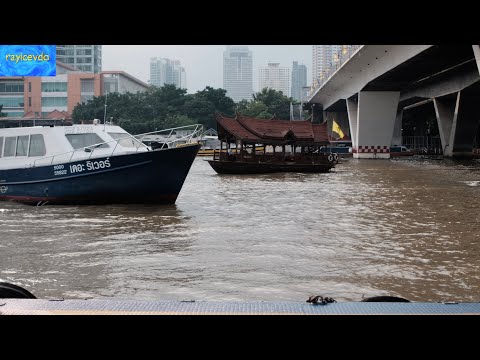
[(124, 307)]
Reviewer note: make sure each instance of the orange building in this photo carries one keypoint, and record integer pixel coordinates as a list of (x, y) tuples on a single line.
[(41, 95)]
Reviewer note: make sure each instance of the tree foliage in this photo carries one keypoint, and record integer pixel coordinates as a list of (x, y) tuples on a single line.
[(265, 104), (1, 113), (157, 108)]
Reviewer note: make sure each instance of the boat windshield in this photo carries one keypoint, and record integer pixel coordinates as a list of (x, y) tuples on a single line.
[(79, 141), (125, 140)]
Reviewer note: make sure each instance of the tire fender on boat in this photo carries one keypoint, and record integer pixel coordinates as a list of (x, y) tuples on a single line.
[(335, 156), (330, 157), (10, 291)]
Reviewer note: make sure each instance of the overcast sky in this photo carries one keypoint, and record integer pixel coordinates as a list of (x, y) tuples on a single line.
[(203, 63)]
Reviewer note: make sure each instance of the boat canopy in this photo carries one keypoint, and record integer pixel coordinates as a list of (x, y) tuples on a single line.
[(273, 131)]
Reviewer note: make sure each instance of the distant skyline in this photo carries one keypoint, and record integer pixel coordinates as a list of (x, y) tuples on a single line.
[(203, 63)]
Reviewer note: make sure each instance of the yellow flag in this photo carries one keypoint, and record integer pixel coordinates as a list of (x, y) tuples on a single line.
[(336, 128)]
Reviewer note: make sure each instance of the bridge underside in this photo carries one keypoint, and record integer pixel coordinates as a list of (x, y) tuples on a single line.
[(446, 75)]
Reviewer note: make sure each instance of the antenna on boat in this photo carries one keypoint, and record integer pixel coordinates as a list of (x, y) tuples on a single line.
[(105, 113)]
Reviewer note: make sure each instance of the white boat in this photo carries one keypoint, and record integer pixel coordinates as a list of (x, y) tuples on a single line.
[(92, 164)]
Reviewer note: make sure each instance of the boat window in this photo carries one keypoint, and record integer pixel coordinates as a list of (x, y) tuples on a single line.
[(1, 146), (79, 141), (125, 140), (37, 145), (10, 143), (22, 146)]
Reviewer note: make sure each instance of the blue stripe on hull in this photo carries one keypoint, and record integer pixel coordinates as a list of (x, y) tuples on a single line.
[(154, 177)]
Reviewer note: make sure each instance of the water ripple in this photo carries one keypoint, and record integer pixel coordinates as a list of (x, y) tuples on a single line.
[(406, 227)]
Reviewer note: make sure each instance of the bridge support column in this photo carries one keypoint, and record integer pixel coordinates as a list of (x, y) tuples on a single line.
[(352, 110), (458, 119), (376, 115), (397, 129), (476, 52), (446, 109)]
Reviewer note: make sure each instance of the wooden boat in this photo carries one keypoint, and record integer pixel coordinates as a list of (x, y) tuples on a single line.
[(288, 146)]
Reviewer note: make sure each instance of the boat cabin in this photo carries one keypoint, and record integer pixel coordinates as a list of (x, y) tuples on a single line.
[(42, 145)]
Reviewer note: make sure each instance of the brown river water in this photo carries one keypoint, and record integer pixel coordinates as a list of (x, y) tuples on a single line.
[(408, 228)]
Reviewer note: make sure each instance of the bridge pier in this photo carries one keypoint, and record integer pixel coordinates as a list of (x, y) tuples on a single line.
[(476, 52), (352, 111), (397, 128), (372, 128), (458, 118)]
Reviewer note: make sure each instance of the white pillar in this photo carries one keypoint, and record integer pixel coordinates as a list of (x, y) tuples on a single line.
[(447, 112), (377, 111), (352, 109), (476, 52), (397, 129)]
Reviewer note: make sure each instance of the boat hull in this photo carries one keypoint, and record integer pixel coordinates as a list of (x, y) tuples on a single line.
[(239, 167), (153, 177)]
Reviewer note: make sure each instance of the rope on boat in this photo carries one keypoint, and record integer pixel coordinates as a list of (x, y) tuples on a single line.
[(320, 300)]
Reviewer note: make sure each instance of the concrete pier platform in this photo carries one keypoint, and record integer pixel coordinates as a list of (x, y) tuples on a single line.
[(125, 307)]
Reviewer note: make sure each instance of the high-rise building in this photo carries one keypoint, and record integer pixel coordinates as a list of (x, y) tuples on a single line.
[(238, 73), (299, 81), (324, 56), (166, 71), (275, 77), (87, 58)]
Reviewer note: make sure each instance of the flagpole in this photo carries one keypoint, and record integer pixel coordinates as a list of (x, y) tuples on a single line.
[(105, 113), (331, 136)]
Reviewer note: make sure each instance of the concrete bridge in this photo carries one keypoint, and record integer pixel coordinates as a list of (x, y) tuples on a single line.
[(372, 87)]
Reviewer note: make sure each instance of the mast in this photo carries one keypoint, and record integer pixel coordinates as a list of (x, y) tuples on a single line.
[(105, 113)]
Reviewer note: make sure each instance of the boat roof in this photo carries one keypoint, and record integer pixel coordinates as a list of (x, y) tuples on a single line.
[(272, 131), (73, 129)]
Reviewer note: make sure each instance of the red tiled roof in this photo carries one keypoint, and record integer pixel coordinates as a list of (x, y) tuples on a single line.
[(278, 131), (320, 132), (56, 114), (232, 126), (31, 115)]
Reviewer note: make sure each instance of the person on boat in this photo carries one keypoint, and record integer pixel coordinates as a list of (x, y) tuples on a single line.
[(230, 155)]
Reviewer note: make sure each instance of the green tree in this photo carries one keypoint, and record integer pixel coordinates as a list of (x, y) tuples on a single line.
[(157, 108), (265, 104), (1, 113), (277, 103), (202, 106), (256, 109), (93, 109), (177, 120), (201, 110), (219, 99)]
